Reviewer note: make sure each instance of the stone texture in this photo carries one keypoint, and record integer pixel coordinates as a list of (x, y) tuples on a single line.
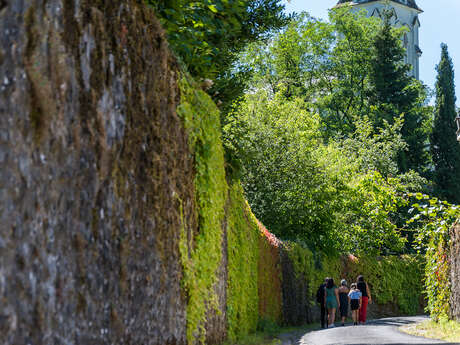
[(297, 304), (94, 164), (455, 271)]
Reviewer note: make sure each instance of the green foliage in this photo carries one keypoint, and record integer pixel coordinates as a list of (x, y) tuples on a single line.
[(274, 140), (326, 64), (392, 279), (346, 70), (368, 210), (376, 149), (389, 74), (313, 266), (208, 35), (335, 196), (344, 93), (243, 254), (445, 149), (201, 253), (434, 219)]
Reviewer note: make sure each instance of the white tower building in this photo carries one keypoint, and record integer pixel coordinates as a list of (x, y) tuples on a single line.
[(406, 13)]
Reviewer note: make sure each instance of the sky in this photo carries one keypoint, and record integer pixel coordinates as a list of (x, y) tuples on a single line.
[(440, 23)]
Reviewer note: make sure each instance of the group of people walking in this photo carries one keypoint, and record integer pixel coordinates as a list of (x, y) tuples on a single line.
[(333, 298)]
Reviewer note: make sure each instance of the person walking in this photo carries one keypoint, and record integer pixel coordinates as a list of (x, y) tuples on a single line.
[(366, 298), (343, 298), (322, 302), (332, 301), (355, 299)]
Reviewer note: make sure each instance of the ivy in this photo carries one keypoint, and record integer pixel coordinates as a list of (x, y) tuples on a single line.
[(434, 219), (243, 255), (201, 254), (269, 280), (392, 279)]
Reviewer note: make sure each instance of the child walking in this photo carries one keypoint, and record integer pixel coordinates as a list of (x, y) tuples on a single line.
[(355, 299)]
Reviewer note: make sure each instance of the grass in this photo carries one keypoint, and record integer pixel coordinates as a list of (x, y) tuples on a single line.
[(443, 330), (256, 339)]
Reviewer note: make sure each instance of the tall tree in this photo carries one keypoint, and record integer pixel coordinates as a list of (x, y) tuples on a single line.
[(394, 92), (445, 149)]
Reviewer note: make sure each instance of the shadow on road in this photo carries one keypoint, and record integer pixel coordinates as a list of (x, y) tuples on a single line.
[(391, 322), (296, 338)]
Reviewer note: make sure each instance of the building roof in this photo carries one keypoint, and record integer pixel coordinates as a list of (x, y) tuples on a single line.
[(409, 3)]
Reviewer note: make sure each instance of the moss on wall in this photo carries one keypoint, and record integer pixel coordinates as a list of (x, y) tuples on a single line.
[(243, 255), (201, 252)]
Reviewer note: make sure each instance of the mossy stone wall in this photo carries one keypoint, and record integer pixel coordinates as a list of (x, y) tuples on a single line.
[(95, 162)]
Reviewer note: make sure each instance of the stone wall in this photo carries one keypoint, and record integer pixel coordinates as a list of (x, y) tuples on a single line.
[(297, 302), (94, 160), (455, 271)]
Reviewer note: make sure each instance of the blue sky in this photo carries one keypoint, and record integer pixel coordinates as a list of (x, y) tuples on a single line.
[(440, 22)]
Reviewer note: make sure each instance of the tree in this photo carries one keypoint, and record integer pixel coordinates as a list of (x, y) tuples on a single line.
[(393, 92), (208, 35), (344, 77), (287, 189), (326, 64), (329, 196), (445, 149)]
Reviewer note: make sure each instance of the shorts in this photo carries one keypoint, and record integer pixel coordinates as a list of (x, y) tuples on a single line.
[(354, 304)]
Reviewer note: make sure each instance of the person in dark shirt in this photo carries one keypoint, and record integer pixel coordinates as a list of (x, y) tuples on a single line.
[(343, 297), (322, 302)]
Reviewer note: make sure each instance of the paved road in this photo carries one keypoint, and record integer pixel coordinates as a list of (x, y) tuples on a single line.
[(382, 332)]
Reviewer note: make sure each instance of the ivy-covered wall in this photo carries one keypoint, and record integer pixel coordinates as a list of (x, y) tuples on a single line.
[(269, 278), (201, 250), (395, 282), (243, 256), (454, 260)]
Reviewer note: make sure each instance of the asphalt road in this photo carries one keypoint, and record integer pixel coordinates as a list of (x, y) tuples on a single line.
[(382, 332)]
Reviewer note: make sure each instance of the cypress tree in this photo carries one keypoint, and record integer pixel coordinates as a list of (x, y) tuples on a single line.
[(445, 149), (394, 92)]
